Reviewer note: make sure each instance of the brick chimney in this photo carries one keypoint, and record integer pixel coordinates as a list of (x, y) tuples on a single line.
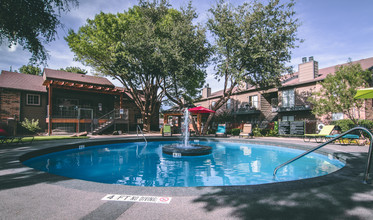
[(308, 70), (206, 92)]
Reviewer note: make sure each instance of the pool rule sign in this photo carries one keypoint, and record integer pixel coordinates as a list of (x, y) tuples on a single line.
[(136, 198), (291, 128)]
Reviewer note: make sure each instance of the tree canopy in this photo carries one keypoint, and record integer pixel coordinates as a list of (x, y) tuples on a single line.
[(253, 44), (186, 52), (31, 23), (338, 90), (151, 49), (74, 69), (30, 69)]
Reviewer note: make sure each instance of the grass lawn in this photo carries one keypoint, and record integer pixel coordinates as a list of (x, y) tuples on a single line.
[(52, 138)]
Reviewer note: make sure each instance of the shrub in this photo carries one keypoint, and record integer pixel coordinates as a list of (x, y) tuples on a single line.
[(366, 123), (272, 133), (257, 132), (347, 124), (32, 126), (211, 131), (235, 131)]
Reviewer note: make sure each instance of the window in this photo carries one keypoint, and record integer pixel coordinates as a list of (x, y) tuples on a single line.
[(32, 99), (337, 116), (288, 118), (140, 121), (229, 104), (253, 101), (288, 98), (213, 104)]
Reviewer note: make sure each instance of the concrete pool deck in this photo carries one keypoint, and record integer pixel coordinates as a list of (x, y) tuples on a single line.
[(26, 193)]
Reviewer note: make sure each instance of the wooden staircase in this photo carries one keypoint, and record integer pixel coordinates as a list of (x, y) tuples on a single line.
[(110, 119), (103, 127)]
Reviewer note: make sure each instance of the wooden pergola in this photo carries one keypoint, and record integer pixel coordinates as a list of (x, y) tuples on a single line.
[(177, 112), (80, 87), (174, 112)]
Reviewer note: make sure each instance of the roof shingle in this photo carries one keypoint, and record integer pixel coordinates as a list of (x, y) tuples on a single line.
[(50, 74), (292, 80), (365, 64), (27, 82)]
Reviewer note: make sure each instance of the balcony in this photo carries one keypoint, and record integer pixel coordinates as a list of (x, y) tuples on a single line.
[(294, 108), (246, 110)]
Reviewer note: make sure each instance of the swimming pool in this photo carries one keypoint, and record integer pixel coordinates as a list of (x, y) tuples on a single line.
[(141, 164)]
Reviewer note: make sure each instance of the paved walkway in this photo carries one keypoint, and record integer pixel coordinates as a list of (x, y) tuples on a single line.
[(29, 194)]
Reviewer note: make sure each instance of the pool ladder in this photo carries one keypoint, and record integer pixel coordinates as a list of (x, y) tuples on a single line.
[(137, 131), (369, 161)]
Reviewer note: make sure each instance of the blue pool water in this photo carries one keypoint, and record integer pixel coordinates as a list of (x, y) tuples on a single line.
[(138, 164)]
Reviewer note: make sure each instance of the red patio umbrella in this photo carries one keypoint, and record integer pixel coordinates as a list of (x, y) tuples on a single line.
[(200, 109)]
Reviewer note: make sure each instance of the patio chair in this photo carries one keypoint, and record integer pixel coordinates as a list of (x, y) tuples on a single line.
[(221, 130), (166, 130), (350, 138), (325, 131), (247, 131)]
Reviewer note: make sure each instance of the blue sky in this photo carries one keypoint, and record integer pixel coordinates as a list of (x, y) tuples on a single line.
[(333, 30)]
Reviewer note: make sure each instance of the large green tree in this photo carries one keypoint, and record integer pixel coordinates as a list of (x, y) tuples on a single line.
[(338, 90), (253, 44), (186, 52), (31, 23), (139, 47), (30, 69)]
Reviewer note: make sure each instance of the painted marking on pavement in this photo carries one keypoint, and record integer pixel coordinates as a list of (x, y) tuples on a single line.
[(134, 198)]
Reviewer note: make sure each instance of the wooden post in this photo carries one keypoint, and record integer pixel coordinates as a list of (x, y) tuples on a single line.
[(121, 103), (50, 109), (165, 119), (199, 122)]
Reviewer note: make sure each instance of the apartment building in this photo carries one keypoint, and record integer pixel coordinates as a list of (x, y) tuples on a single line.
[(285, 103)]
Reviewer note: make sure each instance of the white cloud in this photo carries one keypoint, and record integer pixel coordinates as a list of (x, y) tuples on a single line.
[(13, 48)]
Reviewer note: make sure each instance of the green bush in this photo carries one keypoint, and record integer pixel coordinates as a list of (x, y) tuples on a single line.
[(366, 123), (272, 133), (347, 124), (257, 132), (235, 131), (211, 131), (32, 126)]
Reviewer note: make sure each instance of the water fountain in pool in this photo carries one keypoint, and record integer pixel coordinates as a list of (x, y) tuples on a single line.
[(186, 149)]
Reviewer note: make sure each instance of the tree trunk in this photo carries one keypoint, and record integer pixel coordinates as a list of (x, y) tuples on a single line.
[(205, 128), (146, 121), (194, 124)]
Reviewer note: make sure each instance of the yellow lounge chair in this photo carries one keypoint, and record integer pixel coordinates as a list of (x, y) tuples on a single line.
[(325, 131), (247, 131)]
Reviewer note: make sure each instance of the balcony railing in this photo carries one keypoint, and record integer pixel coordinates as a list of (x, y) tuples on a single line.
[(294, 108), (246, 110), (59, 113)]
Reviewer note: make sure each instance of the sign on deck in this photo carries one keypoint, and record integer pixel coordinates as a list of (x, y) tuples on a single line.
[(134, 198)]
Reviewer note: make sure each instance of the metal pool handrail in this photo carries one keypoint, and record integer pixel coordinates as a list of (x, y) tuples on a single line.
[(137, 131), (369, 161)]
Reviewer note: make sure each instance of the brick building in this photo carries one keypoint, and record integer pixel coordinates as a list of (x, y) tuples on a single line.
[(286, 103), (66, 102)]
